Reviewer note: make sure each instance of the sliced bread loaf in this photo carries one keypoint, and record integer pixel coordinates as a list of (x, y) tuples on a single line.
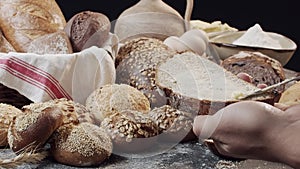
[(195, 84)]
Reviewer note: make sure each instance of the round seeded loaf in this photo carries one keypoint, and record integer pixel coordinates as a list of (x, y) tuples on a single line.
[(136, 64), (32, 130), (109, 99), (173, 125), (7, 113), (84, 144), (131, 131)]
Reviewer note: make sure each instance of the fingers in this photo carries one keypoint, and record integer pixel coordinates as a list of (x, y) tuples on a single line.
[(205, 125), (281, 106)]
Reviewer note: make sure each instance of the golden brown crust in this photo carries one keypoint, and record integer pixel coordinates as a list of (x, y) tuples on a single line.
[(5, 46), (25, 20), (7, 113), (84, 144), (33, 129)]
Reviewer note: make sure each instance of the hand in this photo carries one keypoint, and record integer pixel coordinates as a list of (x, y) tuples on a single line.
[(254, 130)]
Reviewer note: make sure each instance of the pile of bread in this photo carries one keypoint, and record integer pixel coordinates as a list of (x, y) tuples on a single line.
[(160, 87)]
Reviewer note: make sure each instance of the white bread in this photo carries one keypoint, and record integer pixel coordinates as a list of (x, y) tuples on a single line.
[(109, 99), (291, 95), (7, 113), (197, 85), (25, 20)]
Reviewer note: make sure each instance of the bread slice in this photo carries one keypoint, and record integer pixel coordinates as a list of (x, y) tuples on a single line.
[(291, 95), (195, 84)]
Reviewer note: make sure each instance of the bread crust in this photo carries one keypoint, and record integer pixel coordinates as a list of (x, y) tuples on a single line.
[(25, 20)]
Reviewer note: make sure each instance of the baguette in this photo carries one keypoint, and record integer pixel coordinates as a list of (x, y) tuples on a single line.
[(22, 21)]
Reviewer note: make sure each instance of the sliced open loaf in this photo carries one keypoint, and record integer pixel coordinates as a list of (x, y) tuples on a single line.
[(195, 84)]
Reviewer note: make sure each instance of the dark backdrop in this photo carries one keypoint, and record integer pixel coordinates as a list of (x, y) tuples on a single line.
[(276, 16)]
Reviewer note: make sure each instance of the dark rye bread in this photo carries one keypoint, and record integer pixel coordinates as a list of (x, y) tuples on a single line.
[(136, 65), (199, 86), (262, 68)]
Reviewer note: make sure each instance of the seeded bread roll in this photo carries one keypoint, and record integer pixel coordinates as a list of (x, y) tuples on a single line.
[(32, 130), (7, 113), (113, 98), (88, 28), (73, 112), (81, 145), (22, 21), (262, 68), (131, 131), (136, 64), (173, 125)]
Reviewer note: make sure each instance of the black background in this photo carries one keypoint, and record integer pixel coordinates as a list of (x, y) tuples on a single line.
[(275, 16)]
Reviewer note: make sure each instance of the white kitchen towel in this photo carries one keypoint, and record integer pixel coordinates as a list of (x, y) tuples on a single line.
[(50, 76)]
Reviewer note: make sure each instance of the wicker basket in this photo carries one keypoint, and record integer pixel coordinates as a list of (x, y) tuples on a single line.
[(12, 97)]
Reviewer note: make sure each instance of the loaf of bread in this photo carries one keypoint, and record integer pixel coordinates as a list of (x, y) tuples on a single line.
[(84, 144), (262, 68), (131, 131), (109, 99), (22, 21), (291, 95), (197, 85), (32, 130), (88, 28), (5, 46), (7, 113), (73, 112), (136, 65), (173, 125)]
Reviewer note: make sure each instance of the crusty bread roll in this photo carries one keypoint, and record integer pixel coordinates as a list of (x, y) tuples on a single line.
[(291, 95), (88, 28), (262, 68), (7, 113), (52, 43), (32, 130), (22, 21), (73, 112), (136, 65), (173, 125), (5, 46), (81, 145), (109, 99), (131, 131)]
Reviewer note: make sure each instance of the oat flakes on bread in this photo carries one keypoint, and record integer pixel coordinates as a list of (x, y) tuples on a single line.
[(7, 113), (136, 65), (82, 144), (131, 131), (109, 99), (173, 125), (32, 130), (73, 112)]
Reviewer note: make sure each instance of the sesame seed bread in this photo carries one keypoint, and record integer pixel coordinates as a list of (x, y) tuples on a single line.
[(197, 85), (131, 131), (82, 144), (112, 98), (32, 130), (262, 68), (173, 125), (291, 95), (136, 64), (7, 113)]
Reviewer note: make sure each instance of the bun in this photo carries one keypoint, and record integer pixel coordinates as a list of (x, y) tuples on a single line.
[(7, 113), (32, 130), (23, 21), (5, 46), (291, 95), (109, 99), (73, 112), (197, 85), (81, 145), (87, 28), (173, 125), (52, 43), (262, 68), (131, 131), (136, 64)]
